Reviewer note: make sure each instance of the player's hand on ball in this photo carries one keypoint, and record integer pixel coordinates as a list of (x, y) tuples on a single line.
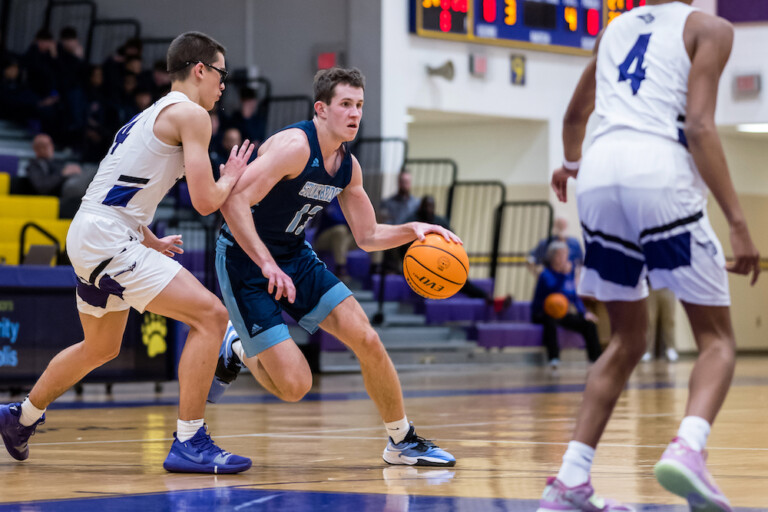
[(279, 282), (422, 229), (238, 160)]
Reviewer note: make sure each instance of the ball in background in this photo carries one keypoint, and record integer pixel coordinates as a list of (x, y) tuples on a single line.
[(435, 268), (556, 305)]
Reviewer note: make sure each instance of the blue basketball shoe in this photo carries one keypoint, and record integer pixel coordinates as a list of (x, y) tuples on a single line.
[(15, 435), (227, 368), (200, 455), (416, 451)]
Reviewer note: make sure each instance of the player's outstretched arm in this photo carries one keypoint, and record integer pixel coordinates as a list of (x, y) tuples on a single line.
[(575, 126), (709, 40), (369, 234), (283, 156), (194, 128)]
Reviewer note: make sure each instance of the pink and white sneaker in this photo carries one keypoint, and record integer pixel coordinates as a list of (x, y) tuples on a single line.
[(683, 471), (558, 497)]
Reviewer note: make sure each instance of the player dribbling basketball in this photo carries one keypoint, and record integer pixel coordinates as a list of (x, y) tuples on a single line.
[(261, 253)]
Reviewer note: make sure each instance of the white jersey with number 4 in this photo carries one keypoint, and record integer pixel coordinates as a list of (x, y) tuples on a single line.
[(139, 169), (642, 72)]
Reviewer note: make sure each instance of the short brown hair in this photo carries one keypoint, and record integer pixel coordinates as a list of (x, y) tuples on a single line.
[(326, 81), (191, 47)]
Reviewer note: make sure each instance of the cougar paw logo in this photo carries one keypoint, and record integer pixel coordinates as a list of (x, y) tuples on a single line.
[(153, 332), (443, 263)]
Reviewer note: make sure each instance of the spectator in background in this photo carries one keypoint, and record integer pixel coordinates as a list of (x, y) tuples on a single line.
[(397, 208), (333, 234), (17, 102), (114, 66), (156, 80), (557, 276), (41, 68), (97, 137), (661, 323), (250, 119), (215, 150), (52, 177), (231, 138), (537, 256), (71, 77)]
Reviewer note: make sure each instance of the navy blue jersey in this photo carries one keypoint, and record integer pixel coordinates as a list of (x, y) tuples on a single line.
[(281, 216)]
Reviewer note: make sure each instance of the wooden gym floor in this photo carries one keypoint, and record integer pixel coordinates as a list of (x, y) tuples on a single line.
[(507, 426)]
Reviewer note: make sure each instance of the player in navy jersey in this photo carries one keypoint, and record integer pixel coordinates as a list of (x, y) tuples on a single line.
[(121, 264), (642, 191), (265, 266)]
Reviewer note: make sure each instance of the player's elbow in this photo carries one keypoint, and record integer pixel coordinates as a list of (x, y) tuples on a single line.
[(697, 130), (204, 207)]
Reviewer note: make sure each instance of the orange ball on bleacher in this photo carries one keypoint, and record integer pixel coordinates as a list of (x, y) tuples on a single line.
[(556, 305), (435, 268)]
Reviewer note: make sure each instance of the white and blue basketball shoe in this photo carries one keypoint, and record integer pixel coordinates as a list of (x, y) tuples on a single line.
[(227, 368), (200, 455), (14, 434), (417, 451)]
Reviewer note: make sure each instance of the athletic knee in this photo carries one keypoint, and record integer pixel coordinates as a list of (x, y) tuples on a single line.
[(370, 345), (296, 388), (102, 355), (723, 350)]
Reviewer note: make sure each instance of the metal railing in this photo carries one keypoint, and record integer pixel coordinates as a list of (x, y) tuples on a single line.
[(106, 36), (379, 157), (433, 177), (79, 14), (23, 239), (285, 110), (519, 226)]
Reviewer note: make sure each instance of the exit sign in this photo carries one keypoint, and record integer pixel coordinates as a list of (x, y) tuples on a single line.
[(746, 85)]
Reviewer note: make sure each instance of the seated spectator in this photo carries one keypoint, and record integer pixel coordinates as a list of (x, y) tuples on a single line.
[(333, 234), (156, 80), (558, 277), (114, 66), (538, 254), (52, 177), (97, 136), (229, 139), (250, 119)]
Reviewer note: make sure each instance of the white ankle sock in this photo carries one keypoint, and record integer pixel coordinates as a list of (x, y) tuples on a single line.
[(29, 413), (237, 348), (185, 430), (577, 463), (694, 431), (397, 430)]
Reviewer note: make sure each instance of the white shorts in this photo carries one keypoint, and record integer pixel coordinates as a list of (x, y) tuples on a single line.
[(642, 206), (114, 270)]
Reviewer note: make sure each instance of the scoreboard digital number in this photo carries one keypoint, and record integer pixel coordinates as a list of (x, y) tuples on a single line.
[(565, 26)]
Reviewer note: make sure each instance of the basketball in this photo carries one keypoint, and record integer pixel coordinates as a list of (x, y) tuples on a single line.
[(556, 305), (434, 268)]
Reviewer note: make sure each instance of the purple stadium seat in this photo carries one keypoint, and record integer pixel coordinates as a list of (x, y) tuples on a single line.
[(9, 164), (519, 334), (327, 342), (456, 309), (395, 288)]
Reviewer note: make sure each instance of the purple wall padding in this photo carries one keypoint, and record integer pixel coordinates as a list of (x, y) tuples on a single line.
[(743, 10)]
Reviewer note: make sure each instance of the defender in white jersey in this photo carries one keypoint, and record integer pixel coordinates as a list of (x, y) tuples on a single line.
[(642, 189), (120, 264)]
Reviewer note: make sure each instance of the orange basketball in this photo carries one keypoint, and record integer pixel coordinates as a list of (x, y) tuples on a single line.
[(556, 305), (434, 268)]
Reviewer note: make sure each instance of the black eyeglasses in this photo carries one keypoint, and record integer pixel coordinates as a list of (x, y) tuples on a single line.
[(223, 73)]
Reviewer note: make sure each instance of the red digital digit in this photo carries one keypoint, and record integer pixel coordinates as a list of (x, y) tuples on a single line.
[(445, 20), (593, 22), (489, 11)]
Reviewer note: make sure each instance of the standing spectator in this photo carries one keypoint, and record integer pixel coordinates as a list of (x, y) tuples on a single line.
[(41, 70), (97, 136), (661, 324), (558, 277), (17, 102), (71, 77), (156, 80), (231, 138)]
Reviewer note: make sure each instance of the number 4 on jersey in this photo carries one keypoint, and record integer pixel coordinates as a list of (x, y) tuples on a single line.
[(636, 55)]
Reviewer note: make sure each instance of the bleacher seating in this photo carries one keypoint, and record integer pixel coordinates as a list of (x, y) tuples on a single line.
[(5, 183)]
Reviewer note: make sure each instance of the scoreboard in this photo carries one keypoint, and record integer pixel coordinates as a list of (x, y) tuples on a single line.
[(565, 26)]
